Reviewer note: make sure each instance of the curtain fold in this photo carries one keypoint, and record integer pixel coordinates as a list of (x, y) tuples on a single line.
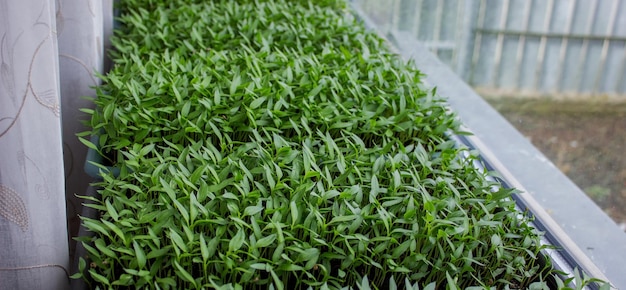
[(33, 231), (80, 36)]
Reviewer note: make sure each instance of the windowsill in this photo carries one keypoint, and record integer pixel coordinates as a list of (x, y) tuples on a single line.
[(580, 218)]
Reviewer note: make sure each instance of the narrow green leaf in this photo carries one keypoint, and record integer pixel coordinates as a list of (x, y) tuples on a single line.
[(257, 102), (237, 241), (111, 210), (99, 243), (234, 84), (252, 210), (212, 246), (116, 230), (451, 282), (392, 284), (277, 282), (182, 210), (204, 250), (140, 254), (178, 241), (431, 286), (88, 143), (365, 284), (294, 212), (158, 253), (266, 241), (96, 226), (260, 266), (182, 273), (99, 278)]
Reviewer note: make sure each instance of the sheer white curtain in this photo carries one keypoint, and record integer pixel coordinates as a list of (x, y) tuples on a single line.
[(48, 52), (81, 38), (33, 231)]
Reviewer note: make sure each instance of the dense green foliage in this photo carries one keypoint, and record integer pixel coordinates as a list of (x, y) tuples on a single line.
[(279, 144)]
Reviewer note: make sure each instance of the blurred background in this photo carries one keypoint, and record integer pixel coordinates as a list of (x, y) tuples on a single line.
[(555, 69)]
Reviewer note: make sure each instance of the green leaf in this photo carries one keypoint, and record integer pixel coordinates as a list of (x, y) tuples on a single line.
[(431, 286), (291, 267), (158, 253), (146, 149), (167, 281), (82, 264), (178, 241), (88, 144), (314, 92), (234, 84), (182, 273), (87, 111), (179, 98), (99, 243), (252, 210), (495, 240), (451, 282), (212, 246), (401, 249), (99, 278), (140, 255), (294, 212), (182, 210), (392, 284), (204, 250), (111, 210), (257, 102), (168, 188), (277, 282), (217, 96), (342, 219), (374, 189), (116, 230), (193, 208), (95, 226), (237, 241), (261, 266), (125, 280), (365, 284), (265, 241)]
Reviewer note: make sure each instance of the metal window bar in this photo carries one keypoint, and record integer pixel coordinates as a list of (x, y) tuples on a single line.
[(583, 52), (417, 16), (542, 46), (619, 86), (457, 34), (564, 45), (521, 45), (395, 16), (550, 35), (499, 43), (605, 45), (471, 33), (480, 22), (438, 23)]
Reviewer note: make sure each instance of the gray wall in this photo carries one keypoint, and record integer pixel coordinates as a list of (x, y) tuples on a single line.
[(567, 47)]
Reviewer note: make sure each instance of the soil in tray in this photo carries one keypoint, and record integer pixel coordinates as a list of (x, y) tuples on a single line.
[(586, 140)]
